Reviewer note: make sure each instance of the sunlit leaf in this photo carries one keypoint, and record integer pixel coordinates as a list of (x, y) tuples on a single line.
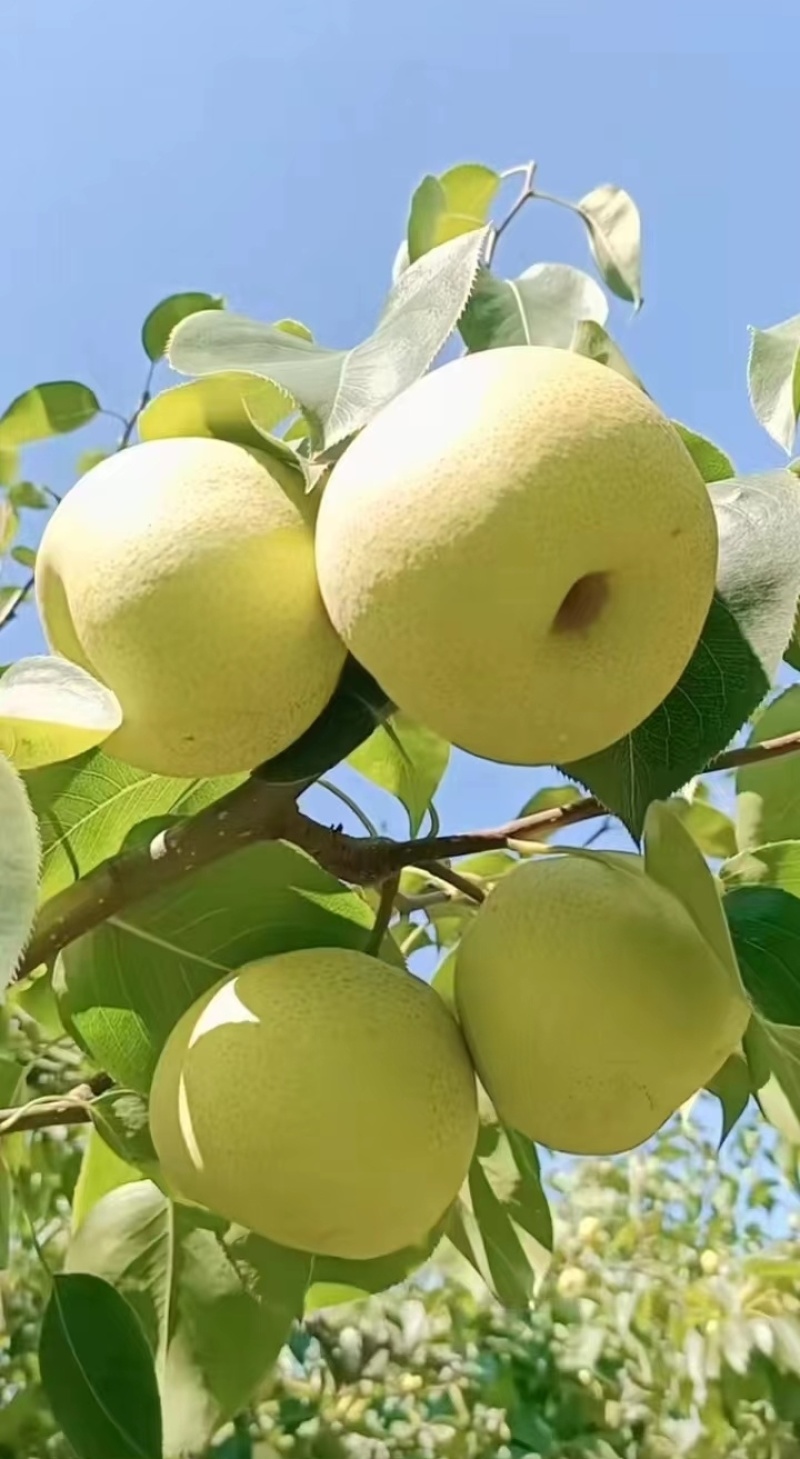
[(590, 339), (101, 1171), (51, 710), (541, 307), (773, 378), (51, 409), (710, 460), (615, 238), (406, 759), (340, 390), (768, 792), (444, 207), (19, 869), (161, 320), (223, 406)]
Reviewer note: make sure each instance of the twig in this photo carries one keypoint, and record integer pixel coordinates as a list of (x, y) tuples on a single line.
[(383, 915), (454, 879), (256, 811), (144, 400), (525, 194)]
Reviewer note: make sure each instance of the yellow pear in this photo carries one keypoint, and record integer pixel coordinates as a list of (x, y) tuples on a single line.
[(321, 1098), (591, 1003), (521, 551), (181, 574)]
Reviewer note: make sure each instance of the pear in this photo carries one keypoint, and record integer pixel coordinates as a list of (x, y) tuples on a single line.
[(522, 552)]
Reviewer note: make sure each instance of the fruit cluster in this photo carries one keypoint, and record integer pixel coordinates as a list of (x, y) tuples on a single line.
[(522, 553)]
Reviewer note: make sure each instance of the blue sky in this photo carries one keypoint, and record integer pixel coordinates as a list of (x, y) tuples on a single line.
[(269, 153)]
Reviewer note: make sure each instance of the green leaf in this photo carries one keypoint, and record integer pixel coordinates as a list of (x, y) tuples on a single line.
[(120, 1117), (9, 526), (25, 556), (89, 459), (730, 671), (215, 1337), (541, 307), (9, 466), (445, 207), (89, 807), (775, 865), (101, 1171), (501, 1223), (765, 928), (711, 462), (340, 390), (673, 859), (591, 339), (348, 719), (407, 760), (733, 1087), (708, 827), (161, 320), (551, 797), (19, 869), (51, 409), (773, 379), (26, 494), (768, 793), (98, 1372), (224, 406), (615, 238), (334, 1280), (10, 600), (51, 710), (13, 1092), (123, 986)]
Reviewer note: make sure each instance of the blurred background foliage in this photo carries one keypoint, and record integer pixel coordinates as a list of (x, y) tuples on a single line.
[(669, 1324)]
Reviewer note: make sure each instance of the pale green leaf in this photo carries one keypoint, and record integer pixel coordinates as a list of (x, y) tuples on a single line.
[(710, 460), (768, 792), (51, 409), (673, 859), (10, 600), (9, 525), (343, 389), (9, 465), (773, 379), (27, 494), (590, 339), (541, 307), (101, 1171), (774, 865), (25, 556), (407, 760), (709, 828), (615, 238), (161, 320), (51, 710), (215, 1337), (19, 869)]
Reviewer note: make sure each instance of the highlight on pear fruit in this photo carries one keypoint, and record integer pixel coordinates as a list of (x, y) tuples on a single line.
[(522, 552), (322, 1099), (181, 574), (591, 1002), (19, 869)]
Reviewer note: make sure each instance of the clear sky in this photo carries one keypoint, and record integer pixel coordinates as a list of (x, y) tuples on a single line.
[(268, 153)]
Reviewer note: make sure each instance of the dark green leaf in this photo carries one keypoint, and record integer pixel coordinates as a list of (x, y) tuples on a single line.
[(407, 760), (161, 320), (445, 207), (98, 1372), (26, 494), (711, 462), (615, 238), (123, 986), (335, 1280), (88, 807), (733, 1087), (120, 1116), (765, 927), (343, 389), (739, 651), (357, 707), (768, 805), (215, 1337), (591, 339), (541, 307), (773, 378), (51, 409)]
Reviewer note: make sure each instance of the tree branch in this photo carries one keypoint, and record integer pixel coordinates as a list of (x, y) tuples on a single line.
[(257, 811)]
